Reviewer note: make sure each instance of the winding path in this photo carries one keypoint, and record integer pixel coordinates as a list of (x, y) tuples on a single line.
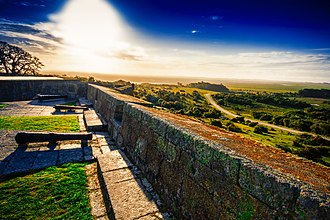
[(232, 115)]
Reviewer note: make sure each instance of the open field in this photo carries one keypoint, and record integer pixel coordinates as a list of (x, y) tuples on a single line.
[(40, 123), (54, 193), (274, 86), (192, 102), (233, 84)]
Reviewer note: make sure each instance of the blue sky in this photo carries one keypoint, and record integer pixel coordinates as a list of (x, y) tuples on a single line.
[(278, 40)]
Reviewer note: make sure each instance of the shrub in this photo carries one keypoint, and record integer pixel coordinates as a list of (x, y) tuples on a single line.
[(259, 129), (216, 123), (253, 124), (234, 128)]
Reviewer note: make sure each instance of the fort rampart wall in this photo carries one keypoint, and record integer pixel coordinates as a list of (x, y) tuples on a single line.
[(202, 172)]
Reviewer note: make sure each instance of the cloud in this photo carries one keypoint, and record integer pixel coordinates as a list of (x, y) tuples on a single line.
[(322, 49), (124, 55), (34, 3), (216, 17)]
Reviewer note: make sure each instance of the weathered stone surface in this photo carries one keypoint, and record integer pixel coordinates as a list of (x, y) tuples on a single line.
[(117, 176), (45, 159), (196, 202), (311, 205), (97, 206), (113, 160), (96, 200), (92, 121), (26, 89), (66, 156), (269, 187), (129, 201)]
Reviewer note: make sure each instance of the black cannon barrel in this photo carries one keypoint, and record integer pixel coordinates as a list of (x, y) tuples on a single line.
[(29, 137)]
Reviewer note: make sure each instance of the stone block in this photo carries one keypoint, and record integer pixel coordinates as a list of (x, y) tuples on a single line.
[(277, 191), (113, 161), (92, 121), (312, 205), (129, 201), (116, 176), (45, 159), (67, 156)]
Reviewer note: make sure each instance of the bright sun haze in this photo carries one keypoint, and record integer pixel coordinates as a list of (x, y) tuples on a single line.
[(212, 39)]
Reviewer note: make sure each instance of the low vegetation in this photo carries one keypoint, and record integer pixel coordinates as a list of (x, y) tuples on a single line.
[(54, 193), (40, 123), (180, 100), (3, 105), (284, 109)]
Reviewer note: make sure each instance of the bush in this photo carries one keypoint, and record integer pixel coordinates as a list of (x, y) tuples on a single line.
[(259, 129), (234, 128), (321, 128), (216, 123), (253, 124), (239, 119)]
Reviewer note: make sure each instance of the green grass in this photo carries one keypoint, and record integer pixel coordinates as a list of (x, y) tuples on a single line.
[(273, 86), (40, 123), (70, 103), (54, 193), (3, 105)]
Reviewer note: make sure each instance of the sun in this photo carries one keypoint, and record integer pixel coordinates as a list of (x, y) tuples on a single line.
[(91, 33)]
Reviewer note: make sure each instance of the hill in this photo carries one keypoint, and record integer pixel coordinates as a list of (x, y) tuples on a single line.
[(209, 86)]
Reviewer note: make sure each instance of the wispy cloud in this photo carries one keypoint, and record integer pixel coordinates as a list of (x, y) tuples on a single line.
[(322, 49)]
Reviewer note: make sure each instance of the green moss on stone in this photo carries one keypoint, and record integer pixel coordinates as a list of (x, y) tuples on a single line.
[(204, 152), (247, 212)]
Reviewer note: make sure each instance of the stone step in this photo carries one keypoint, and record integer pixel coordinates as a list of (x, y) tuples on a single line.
[(85, 102), (93, 121), (124, 193)]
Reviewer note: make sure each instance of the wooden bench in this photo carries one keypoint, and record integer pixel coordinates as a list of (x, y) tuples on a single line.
[(31, 137), (69, 107)]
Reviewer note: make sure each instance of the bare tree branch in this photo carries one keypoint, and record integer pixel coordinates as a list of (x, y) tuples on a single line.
[(16, 61)]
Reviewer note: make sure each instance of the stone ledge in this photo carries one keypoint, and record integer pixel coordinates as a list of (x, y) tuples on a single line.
[(126, 196)]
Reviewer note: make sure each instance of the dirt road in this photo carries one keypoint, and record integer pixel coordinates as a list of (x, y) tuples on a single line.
[(232, 115)]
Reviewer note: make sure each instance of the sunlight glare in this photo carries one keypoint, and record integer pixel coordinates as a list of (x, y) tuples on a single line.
[(92, 33)]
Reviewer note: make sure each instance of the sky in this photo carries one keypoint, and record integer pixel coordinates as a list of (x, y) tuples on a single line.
[(247, 39)]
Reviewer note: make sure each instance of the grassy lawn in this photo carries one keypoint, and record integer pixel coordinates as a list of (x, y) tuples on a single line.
[(40, 123), (54, 193)]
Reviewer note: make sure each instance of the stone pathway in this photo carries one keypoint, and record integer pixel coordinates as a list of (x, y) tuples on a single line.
[(32, 108)]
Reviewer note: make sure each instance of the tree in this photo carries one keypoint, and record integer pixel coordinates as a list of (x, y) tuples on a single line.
[(16, 61)]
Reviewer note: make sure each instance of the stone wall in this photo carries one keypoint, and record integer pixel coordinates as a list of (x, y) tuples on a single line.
[(202, 172), (12, 89)]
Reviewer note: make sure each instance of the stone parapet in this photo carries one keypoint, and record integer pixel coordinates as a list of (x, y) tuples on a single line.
[(203, 172), (23, 88)]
